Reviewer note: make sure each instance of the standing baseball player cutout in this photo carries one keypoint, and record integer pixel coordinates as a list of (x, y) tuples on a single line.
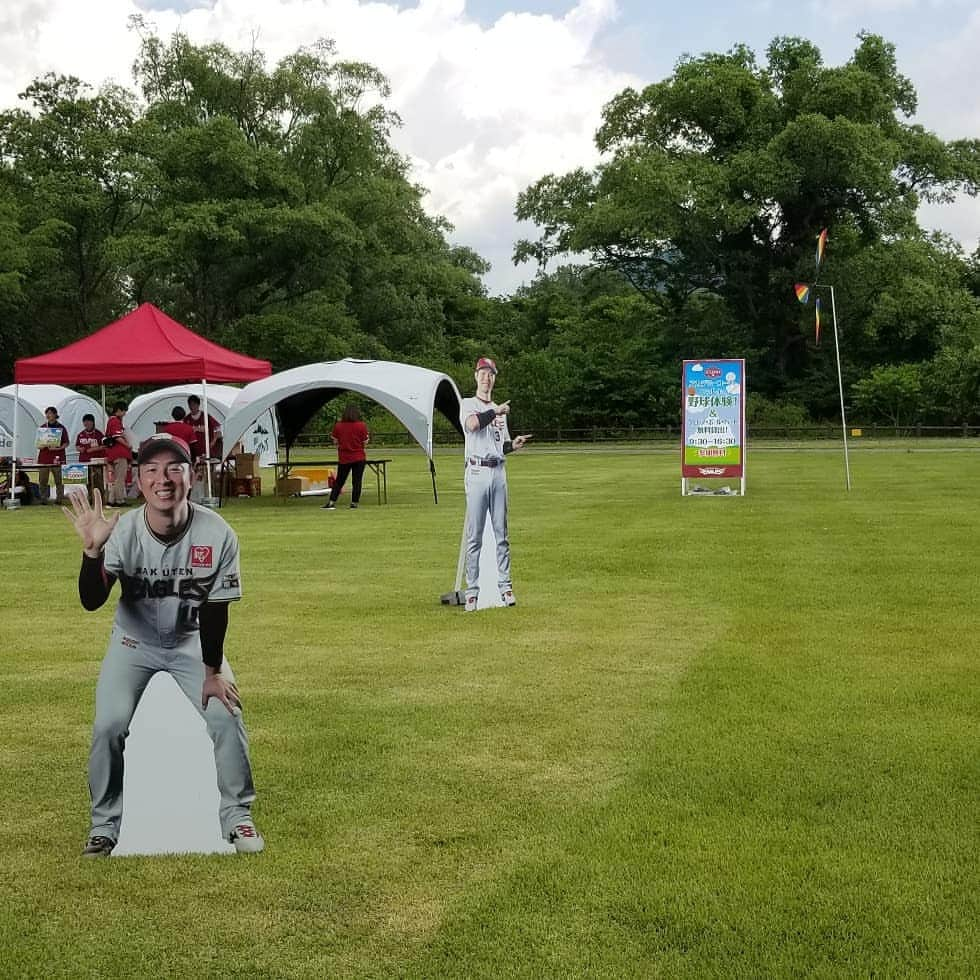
[(178, 568), (487, 443)]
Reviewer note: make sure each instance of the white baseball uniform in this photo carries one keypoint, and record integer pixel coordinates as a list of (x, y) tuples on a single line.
[(486, 492), (164, 584)]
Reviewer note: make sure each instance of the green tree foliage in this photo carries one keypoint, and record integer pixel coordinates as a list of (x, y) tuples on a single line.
[(263, 206), (714, 187), (892, 393)]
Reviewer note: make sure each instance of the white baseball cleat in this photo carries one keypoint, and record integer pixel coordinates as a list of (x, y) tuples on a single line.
[(508, 596), (246, 838), (470, 604)]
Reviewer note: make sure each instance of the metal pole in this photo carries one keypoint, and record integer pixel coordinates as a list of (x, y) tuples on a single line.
[(13, 448), (207, 435), (840, 385)]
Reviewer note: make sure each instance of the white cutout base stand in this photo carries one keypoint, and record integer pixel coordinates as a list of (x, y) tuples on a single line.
[(170, 796)]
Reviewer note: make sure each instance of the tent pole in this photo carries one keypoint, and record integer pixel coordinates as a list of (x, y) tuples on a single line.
[(13, 448), (207, 434), (432, 470)]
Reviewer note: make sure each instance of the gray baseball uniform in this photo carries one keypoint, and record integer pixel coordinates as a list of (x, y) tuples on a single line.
[(486, 492), (164, 584)]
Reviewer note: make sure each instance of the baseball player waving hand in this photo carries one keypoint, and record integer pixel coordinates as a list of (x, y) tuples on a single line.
[(178, 569)]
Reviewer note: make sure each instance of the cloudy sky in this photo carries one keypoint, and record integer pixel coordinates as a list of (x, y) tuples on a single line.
[(496, 93)]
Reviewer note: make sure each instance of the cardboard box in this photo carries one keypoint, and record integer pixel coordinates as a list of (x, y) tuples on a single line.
[(246, 465), (245, 486), (288, 485), (315, 478)]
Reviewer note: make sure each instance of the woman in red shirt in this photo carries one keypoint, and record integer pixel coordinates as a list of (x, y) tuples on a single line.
[(118, 455), (51, 458), (88, 442), (350, 435)]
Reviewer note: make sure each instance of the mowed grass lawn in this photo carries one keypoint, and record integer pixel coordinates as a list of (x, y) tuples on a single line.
[(717, 737)]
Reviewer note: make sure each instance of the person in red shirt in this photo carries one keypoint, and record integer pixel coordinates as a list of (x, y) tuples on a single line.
[(182, 429), (195, 417), (50, 459), (88, 442), (118, 454), (350, 435)]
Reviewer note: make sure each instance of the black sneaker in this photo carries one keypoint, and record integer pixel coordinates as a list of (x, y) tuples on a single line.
[(353, 506), (98, 847), (329, 506)]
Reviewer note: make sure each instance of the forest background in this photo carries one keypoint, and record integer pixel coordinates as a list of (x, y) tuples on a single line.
[(266, 207)]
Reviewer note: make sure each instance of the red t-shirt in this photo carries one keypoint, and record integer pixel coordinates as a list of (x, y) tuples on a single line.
[(198, 426), (51, 457), (88, 442), (121, 450), (185, 431), (350, 437)]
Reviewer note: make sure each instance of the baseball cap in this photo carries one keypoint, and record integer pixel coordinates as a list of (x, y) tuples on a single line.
[(487, 363), (158, 443)]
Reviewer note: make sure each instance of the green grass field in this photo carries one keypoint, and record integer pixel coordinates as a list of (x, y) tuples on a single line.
[(717, 737)]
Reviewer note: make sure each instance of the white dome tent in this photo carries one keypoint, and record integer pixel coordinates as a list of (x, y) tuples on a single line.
[(412, 394), (261, 437), (29, 409)]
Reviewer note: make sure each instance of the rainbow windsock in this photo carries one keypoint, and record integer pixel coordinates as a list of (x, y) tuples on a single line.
[(821, 246), (817, 321), (802, 291)]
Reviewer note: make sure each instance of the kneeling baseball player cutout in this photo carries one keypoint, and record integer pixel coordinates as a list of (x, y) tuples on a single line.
[(178, 569)]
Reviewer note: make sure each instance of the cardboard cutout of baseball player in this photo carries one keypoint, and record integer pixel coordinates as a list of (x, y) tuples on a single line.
[(178, 569), (487, 441)]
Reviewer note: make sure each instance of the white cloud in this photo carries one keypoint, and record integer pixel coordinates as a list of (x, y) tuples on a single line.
[(947, 76), (947, 79)]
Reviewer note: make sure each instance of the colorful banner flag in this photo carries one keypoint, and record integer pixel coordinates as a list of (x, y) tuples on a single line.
[(802, 292), (713, 418), (817, 319), (821, 245)]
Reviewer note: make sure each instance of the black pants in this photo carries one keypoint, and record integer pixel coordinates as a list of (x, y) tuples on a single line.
[(338, 484)]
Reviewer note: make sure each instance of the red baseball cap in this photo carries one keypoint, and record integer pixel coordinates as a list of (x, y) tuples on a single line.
[(158, 443), (486, 364)]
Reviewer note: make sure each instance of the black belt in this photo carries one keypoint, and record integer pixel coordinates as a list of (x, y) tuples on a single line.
[(491, 461)]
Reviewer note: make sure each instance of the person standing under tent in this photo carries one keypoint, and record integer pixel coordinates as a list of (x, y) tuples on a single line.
[(50, 458), (178, 570), (88, 442), (195, 418), (487, 442), (182, 429), (350, 435), (118, 455)]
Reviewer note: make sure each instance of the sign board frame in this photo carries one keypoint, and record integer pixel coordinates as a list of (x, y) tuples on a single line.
[(713, 421)]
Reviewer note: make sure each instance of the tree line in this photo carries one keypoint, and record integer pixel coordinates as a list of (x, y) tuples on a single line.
[(266, 207)]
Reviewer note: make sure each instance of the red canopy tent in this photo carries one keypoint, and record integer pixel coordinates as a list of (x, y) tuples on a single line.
[(145, 346)]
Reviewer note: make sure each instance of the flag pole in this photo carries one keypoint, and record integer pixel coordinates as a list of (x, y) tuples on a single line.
[(840, 382)]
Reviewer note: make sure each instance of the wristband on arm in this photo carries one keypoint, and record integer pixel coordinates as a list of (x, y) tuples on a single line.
[(485, 418), (508, 447)]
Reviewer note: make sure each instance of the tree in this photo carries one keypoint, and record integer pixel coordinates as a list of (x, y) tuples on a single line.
[(66, 164), (265, 207), (716, 182), (891, 392)]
